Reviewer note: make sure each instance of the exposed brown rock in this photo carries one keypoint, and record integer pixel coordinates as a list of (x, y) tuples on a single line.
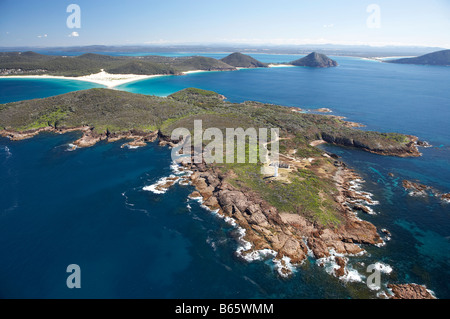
[(341, 270), (89, 138), (288, 234), (410, 291), (414, 186), (417, 189)]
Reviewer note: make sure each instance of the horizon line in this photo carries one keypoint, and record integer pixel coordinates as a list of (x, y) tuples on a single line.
[(216, 44)]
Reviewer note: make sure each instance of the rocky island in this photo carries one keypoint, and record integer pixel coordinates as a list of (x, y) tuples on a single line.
[(315, 60), (310, 208)]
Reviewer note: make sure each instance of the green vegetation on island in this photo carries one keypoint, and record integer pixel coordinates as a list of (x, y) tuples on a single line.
[(123, 111), (315, 60), (240, 60), (305, 187), (31, 63)]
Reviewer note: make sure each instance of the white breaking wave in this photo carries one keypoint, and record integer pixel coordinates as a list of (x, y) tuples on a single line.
[(7, 151), (132, 147), (383, 268), (158, 188), (71, 147), (330, 265), (283, 266), (179, 175)]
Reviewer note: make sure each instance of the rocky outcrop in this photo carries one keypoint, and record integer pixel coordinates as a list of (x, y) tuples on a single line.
[(408, 149), (410, 291), (289, 235), (416, 188), (421, 190), (323, 110), (446, 197)]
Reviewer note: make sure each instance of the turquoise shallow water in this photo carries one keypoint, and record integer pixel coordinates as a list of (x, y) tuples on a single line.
[(12, 90), (88, 207)]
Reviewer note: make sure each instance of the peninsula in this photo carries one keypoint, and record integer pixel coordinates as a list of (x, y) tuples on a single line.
[(435, 58), (310, 206), (112, 71), (32, 63)]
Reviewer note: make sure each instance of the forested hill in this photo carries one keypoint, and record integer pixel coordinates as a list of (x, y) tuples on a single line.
[(115, 111), (435, 58), (240, 60), (31, 63)]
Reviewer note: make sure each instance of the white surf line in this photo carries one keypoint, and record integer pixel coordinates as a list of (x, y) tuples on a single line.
[(271, 65)]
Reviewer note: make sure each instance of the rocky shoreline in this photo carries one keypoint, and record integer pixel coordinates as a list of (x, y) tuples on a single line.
[(410, 149), (89, 138), (411, 291), (288, 238), (421, 190), (140, 138)]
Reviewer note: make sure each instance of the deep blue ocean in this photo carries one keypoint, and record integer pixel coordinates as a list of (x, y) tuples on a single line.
[(87, 207)]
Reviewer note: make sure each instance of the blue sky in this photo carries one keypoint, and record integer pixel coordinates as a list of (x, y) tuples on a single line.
[(43, 23)]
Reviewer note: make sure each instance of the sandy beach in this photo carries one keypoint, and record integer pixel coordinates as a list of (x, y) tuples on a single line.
[(195, 71), (281, 65), (110, 80), (383, 58), (103, 78)]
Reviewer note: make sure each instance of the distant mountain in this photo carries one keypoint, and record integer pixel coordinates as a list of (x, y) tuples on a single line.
[(329, 49), (315, 60), (240, 60), (435, 58)]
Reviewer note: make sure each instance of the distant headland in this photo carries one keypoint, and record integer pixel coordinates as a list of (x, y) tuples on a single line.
[(435, 58)]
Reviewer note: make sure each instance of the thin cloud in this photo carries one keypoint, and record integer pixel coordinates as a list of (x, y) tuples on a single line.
[(42, 36), (74, 34)]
